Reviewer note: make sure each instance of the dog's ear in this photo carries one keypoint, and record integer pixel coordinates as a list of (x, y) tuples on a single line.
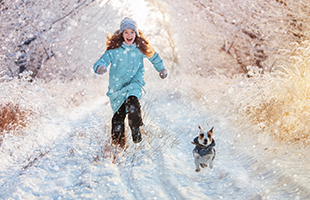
[(211, 130)]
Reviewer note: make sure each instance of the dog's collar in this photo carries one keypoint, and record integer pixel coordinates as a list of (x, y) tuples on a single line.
[(203, 147)]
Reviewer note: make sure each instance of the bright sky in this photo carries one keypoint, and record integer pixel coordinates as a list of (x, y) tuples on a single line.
[(139, 8), (140, 11)]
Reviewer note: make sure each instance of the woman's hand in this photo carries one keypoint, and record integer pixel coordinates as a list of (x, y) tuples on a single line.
[(163, 73)]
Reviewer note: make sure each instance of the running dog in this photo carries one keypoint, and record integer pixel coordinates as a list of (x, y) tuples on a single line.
[(204, 152)]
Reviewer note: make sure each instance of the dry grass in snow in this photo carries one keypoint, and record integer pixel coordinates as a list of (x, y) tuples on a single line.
[(13, 117)]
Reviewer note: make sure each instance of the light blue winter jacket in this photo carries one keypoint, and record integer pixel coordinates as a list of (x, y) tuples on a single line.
[(126, 76)]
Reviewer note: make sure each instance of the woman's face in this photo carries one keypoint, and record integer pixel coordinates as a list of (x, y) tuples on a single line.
[(129, 36)]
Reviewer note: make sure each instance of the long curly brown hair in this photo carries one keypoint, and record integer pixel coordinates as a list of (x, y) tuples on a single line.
[(116, 40)]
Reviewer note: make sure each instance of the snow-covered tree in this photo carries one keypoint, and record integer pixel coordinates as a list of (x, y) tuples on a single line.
[(45, 37), (232, 35)]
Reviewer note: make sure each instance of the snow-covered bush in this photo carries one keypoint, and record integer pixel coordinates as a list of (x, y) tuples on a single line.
[(283, 110), (13, 117)]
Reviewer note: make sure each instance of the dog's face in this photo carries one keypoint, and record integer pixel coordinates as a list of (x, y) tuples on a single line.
[(205, 138)]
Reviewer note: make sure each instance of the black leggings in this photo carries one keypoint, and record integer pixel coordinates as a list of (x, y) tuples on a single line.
[(133, 108)]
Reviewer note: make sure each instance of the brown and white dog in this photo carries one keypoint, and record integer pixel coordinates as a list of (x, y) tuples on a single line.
[(204, 152)]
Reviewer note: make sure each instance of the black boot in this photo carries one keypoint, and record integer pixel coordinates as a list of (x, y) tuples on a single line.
[(119, 139), (118, 136), (136, 135)]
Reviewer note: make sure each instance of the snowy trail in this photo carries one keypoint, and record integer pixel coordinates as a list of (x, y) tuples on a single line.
[(68, 156), (77, 162)]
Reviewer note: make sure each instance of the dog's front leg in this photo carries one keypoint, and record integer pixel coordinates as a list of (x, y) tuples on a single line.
[(197, 166), (197, 163)]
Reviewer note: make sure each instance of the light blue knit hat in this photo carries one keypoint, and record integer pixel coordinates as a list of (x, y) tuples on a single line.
[(128, 23)]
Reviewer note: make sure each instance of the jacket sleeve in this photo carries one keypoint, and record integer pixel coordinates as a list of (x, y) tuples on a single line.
[(104, 60), (157, 62)]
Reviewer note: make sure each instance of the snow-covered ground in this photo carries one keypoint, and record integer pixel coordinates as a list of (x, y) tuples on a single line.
[(67, 154)]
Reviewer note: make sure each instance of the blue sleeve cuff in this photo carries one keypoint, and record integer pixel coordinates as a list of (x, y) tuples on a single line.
[(157, 62), (103, 60)]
